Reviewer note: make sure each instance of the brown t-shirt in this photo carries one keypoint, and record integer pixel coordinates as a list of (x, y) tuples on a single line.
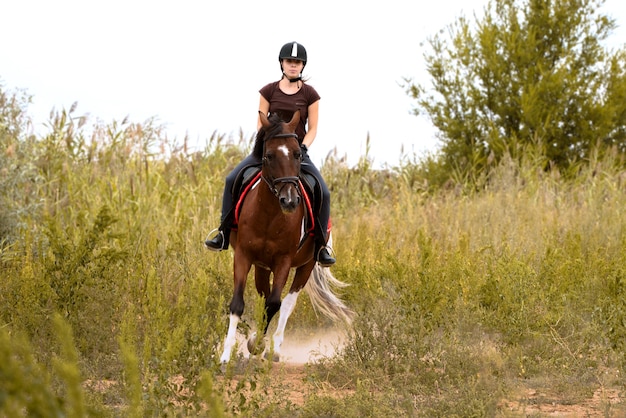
[(286, 104)]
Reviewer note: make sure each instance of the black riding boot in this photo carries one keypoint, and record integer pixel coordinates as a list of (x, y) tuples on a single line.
[(323, 257), (322, 253), (219, 242)]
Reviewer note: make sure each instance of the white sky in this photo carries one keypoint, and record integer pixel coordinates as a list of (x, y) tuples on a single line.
[(197, 65)]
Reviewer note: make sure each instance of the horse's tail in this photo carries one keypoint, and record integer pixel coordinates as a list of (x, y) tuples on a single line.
[(320, 288)]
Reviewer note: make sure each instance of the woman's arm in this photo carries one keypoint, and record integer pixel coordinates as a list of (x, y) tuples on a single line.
[(311, 132), (264, 107)]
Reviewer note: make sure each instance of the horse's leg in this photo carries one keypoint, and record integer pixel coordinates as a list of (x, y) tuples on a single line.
[(262, 282), (273, 303), (289, 304), (286, 308), (241, 269), (230, 340)]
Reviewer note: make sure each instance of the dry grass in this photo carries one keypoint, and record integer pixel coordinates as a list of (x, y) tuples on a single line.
[(472, 301)]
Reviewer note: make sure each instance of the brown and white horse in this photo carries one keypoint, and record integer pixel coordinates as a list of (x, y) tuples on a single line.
[(270, 237)]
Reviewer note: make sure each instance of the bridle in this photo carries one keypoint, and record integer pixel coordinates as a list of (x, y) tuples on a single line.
[(274, 182)]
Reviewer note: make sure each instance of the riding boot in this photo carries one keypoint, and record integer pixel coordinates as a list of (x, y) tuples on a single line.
[(219, 242), (322, 253), (323, 257)]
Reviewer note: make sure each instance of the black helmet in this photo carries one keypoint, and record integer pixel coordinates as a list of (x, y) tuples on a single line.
[(294, 51)]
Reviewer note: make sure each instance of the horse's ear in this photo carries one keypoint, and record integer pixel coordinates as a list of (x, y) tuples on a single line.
[(264, 120), (295, 120)]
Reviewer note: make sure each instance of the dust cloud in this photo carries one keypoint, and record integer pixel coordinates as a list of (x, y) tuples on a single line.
[(302, 348)]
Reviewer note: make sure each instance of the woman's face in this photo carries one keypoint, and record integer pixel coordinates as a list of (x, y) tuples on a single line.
[(292, 68)]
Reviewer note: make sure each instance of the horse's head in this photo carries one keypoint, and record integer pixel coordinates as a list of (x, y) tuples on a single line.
[(281, 158)]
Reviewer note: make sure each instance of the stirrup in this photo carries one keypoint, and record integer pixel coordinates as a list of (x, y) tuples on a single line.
[(211, 243), (327, 262)]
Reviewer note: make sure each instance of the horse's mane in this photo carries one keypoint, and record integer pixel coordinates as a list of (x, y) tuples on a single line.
[(274, 129)]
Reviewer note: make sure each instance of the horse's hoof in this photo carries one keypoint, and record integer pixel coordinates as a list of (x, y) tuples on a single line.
[(256, 345), (275, 357)]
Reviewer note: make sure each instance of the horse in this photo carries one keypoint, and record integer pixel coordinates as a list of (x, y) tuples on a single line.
[(269, 236)]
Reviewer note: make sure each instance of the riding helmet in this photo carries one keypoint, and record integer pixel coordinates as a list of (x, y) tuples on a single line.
[(294, 51)]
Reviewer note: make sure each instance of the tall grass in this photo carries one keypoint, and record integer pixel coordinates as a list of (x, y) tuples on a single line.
[(472, 293), (109, 305)]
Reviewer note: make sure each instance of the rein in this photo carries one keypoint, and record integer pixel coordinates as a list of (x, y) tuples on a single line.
[(293, 135)]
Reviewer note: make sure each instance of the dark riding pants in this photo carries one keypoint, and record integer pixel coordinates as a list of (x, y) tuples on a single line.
[(323, 217)]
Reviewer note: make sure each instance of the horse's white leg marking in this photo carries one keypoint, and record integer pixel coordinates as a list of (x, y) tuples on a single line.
[(229, 343), (286, 308)]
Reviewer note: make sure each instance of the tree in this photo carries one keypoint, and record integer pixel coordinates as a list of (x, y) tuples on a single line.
[(529, 72)]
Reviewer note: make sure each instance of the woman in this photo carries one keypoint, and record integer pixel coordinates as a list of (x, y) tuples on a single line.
[(284, 97)]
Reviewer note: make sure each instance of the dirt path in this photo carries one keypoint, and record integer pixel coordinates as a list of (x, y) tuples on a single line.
[(526, 403), (531, 402), (301, 349)]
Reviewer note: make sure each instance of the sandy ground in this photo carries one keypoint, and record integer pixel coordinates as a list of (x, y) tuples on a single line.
[(301, 348), (305, 347)]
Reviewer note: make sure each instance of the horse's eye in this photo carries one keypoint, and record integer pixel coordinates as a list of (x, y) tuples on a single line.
[(297, 155)]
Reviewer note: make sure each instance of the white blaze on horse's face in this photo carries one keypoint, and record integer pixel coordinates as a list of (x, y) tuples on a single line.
[(284, 150)]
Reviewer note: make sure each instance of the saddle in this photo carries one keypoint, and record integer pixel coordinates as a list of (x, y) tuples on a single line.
[(311, 194)]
